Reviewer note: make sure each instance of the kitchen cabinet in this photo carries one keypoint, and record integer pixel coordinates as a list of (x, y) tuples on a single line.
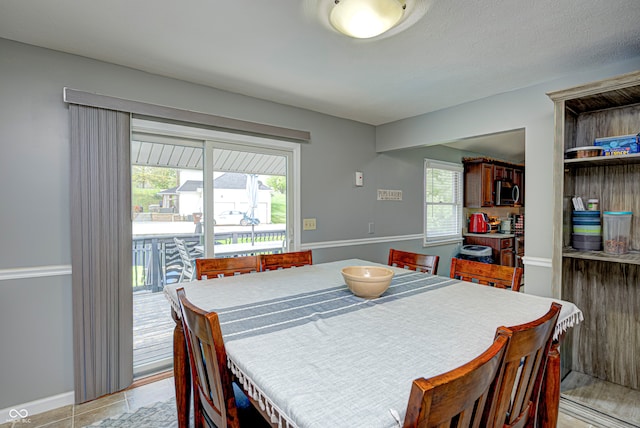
[(480, 175), (604, 286), (519, 251), (478, 185), (502, 246), (501, 172)]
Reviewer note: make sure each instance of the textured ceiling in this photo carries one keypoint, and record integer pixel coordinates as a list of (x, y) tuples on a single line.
[(279, 50)]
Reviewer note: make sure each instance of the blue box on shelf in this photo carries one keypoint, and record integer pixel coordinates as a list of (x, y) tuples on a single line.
[(618, 151), (620, 145)]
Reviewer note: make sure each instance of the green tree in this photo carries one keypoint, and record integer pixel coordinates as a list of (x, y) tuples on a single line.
[(278, 208), (148, 177), (277, 183)]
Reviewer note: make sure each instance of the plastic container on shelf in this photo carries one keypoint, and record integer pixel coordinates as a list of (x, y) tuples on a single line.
[(586, 242), (593, 205), (617, 232), (587, 229), (586, 213), (586, 220)]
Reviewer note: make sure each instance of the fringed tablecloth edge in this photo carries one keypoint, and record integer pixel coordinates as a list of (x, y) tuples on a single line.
[(274, 412), (174, 304), (567, 323)]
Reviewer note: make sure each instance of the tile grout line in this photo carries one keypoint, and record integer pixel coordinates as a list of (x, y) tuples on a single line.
[(73, 420), (126, 399)]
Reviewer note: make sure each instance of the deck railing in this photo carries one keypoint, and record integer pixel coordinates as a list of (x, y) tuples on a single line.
[(156, 261)]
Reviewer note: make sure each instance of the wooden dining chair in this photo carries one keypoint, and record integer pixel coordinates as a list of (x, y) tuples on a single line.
[(486, 273), (517, 390), (226, 266), (456, 398), (217, 400), (285, 260), (186, 259), (413, 261)]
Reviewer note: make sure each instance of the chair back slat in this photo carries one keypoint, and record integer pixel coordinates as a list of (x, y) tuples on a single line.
[(285, 260), (456, 398), (414, 261), (517, 388), (227, 266), (486, 273), (210, 377)]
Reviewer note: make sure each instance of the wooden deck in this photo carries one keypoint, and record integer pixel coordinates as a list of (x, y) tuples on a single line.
[(152, 329)]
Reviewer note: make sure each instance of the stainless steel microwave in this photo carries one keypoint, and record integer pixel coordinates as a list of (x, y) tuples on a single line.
[(507, 193)]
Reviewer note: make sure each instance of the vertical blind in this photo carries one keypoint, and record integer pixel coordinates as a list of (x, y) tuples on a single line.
[(101, 243), (442, 201), (101, 251)]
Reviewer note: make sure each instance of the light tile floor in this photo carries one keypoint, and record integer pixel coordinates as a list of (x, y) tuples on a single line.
[(76, 416), (566, 421)]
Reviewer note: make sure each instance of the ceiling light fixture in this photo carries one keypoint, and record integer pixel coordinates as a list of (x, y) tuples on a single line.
[(364, 19)]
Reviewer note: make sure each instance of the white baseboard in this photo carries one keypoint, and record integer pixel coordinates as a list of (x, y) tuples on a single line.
[(23, 411)]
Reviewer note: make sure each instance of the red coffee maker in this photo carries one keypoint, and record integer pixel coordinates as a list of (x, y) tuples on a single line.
[(479, 223)]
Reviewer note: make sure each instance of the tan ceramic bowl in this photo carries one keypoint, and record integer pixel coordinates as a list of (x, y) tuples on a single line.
[(368, 282)]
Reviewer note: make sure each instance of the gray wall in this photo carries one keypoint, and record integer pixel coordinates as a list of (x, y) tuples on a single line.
[(528, 108), (35, 324), (398, 170), (36, 332)]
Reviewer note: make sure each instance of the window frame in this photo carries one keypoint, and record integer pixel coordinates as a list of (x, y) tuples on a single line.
[(459, 203)]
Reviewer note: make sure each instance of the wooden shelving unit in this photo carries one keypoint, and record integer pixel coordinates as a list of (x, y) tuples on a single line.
[(602, 161), (632, 258), (605, 287)]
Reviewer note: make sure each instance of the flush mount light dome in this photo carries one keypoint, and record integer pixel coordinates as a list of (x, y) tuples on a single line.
[(364, 19)]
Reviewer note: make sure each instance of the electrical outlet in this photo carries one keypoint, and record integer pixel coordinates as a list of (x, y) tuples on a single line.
[(309, 224), (370, 227)]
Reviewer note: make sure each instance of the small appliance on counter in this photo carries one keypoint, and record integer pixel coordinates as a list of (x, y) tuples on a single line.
[(479, 223), (506, 226), (494, 222)]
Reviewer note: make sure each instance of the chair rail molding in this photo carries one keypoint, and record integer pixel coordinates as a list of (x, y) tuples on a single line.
[(363, 241), (34, 272), (537, 261)]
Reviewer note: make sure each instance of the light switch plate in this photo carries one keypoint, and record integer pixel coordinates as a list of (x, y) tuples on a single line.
[(309, 224), (359, 179)]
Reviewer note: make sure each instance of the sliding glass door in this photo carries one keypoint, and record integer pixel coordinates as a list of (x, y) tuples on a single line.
[(200, 193), (250, 203)]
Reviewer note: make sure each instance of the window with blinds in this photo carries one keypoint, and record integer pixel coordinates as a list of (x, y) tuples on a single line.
[(442, 202)]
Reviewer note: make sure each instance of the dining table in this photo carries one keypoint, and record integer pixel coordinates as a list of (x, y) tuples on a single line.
[(309, 353)]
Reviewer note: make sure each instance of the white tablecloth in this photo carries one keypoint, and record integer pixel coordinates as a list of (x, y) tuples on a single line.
[(317, 356)]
